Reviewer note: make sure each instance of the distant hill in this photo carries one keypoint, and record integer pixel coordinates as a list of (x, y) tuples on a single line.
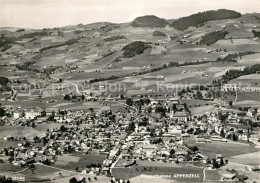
[(200, 18), (149, 21)]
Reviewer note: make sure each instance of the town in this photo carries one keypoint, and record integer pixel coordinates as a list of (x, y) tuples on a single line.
[(151, 100), (144, 130)]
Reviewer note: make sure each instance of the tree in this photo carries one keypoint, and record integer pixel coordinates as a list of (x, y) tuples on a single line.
[(36, 139), (221, 162), (172, 152), (62, 128), (2, 112), (174, 108), (147, 101), (226, 161), (82, 97), (194, 148), (222, 117), (67, 97), (73, 180), (159, 109), (215, 163), (222, 133), (190, 131), (32, 166), (83, 180), (208, 162), (234, 137), (129, 101), (46, 162), (60, 33)]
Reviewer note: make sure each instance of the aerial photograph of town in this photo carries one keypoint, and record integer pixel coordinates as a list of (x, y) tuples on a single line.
[(137, 91)]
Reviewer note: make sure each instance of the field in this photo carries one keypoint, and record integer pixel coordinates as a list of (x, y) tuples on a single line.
[(51, 174), (202, 110), (247, 159), (227, 149), (250, 59), (5, 143), (28, 132), (143, 179), (248, 99), (136, 170), (212, 175), (71, 161)]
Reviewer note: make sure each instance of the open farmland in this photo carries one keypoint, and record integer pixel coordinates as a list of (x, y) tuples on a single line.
[(227, 149), (134, 171), (248, 99), (247, 159), (71, 161), (28, 132)]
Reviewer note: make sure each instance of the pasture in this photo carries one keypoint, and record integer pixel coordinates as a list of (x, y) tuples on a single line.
[(77, 159), (136, 170), (247, 159), (227, 149), (28, 132)]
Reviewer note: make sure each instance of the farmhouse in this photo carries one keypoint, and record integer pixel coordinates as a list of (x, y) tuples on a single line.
[(33, 113), (251, 112), (174, 100), (18, 114)]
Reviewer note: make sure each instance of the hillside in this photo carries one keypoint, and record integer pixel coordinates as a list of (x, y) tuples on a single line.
[(135, 48), (202, 17), (213, 37), (101, 51), (158, 33), (113, 38), (237, 32), (149, 21)]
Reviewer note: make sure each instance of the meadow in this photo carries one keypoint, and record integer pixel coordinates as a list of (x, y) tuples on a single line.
[(227, 149)]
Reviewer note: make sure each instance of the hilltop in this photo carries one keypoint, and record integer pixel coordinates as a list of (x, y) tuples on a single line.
[(199, 19), (149, 21)]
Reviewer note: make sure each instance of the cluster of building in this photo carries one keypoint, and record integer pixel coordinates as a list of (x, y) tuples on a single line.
[(147, 130)]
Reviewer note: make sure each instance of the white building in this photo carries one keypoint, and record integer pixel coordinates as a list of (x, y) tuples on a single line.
[(31, 114), (230, 87)]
